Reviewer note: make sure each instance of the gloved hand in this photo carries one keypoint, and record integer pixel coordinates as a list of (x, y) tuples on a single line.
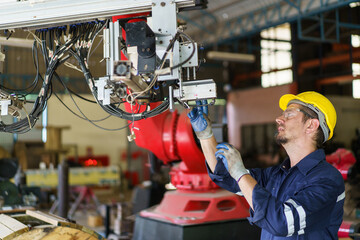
[(199, 120), (232, 160)]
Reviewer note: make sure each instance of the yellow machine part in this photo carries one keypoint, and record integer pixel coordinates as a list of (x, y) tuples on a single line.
[(77, 176)]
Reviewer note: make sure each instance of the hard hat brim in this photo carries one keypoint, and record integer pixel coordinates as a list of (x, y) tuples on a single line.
[(285, 99)]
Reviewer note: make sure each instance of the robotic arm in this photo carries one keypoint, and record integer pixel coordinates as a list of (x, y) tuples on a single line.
[(150, 64), (153, 61)]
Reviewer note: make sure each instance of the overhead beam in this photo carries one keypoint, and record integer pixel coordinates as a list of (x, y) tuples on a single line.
[(231, 57), (36, 13), (336, 80), (272, 13)]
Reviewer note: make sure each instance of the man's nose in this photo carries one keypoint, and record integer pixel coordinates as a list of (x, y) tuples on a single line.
[(279, 119)]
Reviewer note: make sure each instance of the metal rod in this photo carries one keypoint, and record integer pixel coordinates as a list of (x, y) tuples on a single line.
[(116, 41), (107, 220), (106, 49), (111, 57), (63, 189), (171, 99)]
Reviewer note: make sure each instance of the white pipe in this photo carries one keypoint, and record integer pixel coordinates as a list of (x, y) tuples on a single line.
[(16, 42), (231, 57)]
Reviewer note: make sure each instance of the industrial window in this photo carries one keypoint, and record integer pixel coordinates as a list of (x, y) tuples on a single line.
[(354, 4), (356, 85), (355, 42), (276, 59)]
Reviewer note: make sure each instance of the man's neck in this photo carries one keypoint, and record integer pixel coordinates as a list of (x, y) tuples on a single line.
[(298, 150)]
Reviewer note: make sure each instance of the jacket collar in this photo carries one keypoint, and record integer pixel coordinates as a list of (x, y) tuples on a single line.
[(307, 163)]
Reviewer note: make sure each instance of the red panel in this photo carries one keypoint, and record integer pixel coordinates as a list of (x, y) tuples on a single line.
[(185, 208), (134, 15), (345, 229), (191, 181), (342, 160)]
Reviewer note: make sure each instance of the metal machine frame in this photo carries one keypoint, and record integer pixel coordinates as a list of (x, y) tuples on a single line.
[(40, 13)]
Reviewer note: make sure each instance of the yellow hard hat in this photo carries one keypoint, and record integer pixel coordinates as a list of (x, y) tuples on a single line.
[(319, 104)]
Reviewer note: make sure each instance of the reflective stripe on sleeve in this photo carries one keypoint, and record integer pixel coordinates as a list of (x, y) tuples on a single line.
[(302, 215), (289, 220), (341, 197)]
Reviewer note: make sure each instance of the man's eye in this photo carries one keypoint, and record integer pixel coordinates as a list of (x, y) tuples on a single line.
[(291, 114)]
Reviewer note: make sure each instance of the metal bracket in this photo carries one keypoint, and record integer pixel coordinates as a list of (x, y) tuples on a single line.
[(165, 31), (4, 106), (103, 94), (196, 90)]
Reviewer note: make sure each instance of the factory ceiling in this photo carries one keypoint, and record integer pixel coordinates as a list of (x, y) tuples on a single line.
[(226, 20)]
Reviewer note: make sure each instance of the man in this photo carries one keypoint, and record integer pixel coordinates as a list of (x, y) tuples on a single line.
[(303, 197)]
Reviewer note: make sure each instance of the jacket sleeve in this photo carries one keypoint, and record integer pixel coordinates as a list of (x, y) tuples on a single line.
[(222, 178), (261, 175), (305, 210)]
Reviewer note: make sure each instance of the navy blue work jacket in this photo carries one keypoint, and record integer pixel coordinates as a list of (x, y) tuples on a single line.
[(302, 202)]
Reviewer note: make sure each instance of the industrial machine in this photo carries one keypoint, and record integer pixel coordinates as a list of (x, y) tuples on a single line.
[(151, 63)]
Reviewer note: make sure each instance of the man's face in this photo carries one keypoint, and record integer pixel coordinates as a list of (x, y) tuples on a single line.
[(290, 124)]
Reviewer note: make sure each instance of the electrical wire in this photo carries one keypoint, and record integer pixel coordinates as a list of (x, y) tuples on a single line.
[(70, 93), (57, 45), (51, 59)]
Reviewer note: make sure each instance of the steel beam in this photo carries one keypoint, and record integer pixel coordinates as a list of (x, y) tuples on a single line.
[(272, 13), (38, 13)]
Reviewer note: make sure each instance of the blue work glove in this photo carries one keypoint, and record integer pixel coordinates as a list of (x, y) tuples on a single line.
[(232, 160), (199, 120)]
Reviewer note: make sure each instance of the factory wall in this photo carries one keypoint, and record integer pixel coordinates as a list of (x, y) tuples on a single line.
[(254, 106), (84, 134), (348, 119)]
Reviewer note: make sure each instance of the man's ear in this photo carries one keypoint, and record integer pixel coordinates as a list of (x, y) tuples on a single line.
[(312, 125)]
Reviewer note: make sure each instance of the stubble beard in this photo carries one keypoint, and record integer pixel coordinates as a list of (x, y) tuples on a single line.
[(280, 140)]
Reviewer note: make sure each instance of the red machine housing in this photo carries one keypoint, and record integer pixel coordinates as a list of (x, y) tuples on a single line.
[(169, 136), (342, 159), (348, 229), (197, 199)]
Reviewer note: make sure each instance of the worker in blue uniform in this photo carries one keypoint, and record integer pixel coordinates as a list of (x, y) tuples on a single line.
[(303, 197)]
